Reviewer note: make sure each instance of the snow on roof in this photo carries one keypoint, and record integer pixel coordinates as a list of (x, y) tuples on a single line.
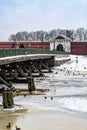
[(60, 36)]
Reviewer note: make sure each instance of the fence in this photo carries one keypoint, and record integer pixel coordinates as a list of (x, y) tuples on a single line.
[(25, 51)]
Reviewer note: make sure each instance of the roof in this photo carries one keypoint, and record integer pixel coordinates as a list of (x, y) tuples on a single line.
[(60, 37), (24, 42), (79, 41)]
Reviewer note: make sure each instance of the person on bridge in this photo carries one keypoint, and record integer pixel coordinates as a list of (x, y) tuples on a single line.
[(21, 45)]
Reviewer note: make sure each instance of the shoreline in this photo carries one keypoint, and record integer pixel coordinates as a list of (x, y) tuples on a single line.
[(15, 109), (37, 119)]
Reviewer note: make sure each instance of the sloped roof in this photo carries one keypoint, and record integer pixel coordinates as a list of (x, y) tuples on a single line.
[(60, 37)]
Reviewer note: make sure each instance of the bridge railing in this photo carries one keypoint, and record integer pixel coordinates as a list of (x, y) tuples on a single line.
[(24, 51)]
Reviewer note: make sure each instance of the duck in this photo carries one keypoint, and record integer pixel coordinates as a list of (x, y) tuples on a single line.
[(51, 98), (9, 125), (18, 128), (45, 97)]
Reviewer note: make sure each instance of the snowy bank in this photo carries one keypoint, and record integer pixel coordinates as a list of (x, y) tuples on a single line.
[(76, 64)]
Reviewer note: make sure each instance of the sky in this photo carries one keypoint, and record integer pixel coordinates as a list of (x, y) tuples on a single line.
[(46, 15)]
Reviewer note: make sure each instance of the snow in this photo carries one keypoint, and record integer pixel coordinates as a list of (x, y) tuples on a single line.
[(71, 90), (78, 63), (13, 109), (60, 58)]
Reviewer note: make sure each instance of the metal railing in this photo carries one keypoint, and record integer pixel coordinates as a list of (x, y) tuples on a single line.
[(25, 51)]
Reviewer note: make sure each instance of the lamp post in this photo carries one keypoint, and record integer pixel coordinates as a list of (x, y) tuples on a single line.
[(42, 42)]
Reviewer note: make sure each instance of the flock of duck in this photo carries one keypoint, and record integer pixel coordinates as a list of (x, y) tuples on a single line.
[(9, 126)]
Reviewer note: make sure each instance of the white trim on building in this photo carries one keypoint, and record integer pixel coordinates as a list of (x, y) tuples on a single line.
[(60, 39)]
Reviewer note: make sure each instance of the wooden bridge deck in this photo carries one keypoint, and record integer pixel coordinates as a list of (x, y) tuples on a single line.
[(19, 58)]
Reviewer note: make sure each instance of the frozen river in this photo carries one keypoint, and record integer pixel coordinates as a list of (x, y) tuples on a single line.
[(69, 94)]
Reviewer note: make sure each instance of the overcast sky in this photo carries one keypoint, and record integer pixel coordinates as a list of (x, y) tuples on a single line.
[(33, 15)]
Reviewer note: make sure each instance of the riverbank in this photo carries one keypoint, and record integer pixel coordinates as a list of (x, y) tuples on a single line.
[(49, 120), (38, 119)]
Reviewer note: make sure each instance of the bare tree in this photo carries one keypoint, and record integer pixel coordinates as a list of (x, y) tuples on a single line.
[(80, 34), (12, 38)]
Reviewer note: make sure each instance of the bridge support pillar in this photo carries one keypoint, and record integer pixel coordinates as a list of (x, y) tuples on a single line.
[(40, 66), (5, 103), (4, 73), (15, 74), (10, 98), (25, 69), (30, 68), (8, 101), (31, 85), (46, 66)]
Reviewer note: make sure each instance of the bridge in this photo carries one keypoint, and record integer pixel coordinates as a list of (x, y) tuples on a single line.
[(13, 67), (16, 64)]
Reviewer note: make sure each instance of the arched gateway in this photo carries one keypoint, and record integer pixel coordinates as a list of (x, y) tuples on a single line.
[(60, 43)]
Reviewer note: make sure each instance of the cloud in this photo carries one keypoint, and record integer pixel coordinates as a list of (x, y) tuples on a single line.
[(32, 15)]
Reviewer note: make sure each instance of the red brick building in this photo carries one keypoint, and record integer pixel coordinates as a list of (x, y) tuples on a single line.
[(30, 44), (79, 48)]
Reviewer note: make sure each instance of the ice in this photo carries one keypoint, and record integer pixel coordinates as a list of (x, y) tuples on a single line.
[(70, 89)]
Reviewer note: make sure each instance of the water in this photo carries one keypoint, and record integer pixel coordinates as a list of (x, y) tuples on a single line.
[(69, 96), (69, 93)]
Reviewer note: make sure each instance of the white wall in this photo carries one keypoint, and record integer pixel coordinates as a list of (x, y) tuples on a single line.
[(66, 45)]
